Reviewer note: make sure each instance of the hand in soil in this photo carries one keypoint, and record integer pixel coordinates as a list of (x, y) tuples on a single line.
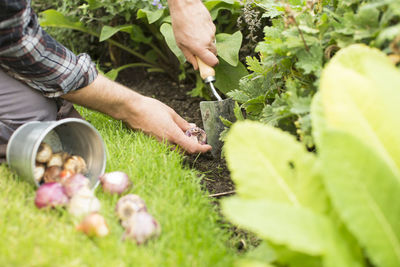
[(197, 134), (162, 122)]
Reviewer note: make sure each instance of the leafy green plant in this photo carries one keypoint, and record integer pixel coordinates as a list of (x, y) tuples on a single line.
[(338, 207), (143, 29), (304, 35)]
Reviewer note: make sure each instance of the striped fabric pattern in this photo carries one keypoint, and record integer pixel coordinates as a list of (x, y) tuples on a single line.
[(30, 55)]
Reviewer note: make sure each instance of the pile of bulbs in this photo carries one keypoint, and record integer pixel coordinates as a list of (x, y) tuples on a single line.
[(138, 223), (55, 167), (63, 184)]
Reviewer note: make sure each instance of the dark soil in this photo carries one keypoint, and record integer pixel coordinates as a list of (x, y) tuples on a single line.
[(216, 177)]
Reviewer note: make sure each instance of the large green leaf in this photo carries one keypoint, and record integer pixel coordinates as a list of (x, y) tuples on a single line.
[(227, 76), (152, 16), (53, 18), (287, 175), (357, 128), (210, 4), (276, 177), (298, 228), (215, 6), (360, 94), (168, 33), (251, 263), (219, 8), (135, 32), (366, 193), (108, 31), (228, 46), (137, 35)]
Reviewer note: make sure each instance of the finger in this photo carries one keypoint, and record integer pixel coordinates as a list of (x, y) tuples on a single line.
[(190, 57), (213, 48), (208, 57), (193, 147), (181, 122), (188, 144)]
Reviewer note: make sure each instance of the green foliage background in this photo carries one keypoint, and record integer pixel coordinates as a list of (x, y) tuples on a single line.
[(300, 37), (341, 205), (338, 207), (143, 30), (304, 35)]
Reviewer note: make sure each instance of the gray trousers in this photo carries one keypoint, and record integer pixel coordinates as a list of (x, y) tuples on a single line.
[(20, 104)]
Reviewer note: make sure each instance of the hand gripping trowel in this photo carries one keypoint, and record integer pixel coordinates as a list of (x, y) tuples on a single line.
[(211, 111)]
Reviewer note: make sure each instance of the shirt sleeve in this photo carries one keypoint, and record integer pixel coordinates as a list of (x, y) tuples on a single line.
[(30, 55)]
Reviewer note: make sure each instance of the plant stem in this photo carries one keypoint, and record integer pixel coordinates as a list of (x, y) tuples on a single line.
[(158, 51), (301, 34), (222, 194), (115, 43), (133, 65), (129, 50)]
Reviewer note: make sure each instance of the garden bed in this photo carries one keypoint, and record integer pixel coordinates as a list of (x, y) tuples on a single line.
[(216, 174)]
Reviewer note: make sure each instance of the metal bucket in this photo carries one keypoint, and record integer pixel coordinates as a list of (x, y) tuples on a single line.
[(74, 136)]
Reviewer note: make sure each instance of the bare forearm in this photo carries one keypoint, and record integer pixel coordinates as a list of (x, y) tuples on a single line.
[(105, 96), (137, 111)]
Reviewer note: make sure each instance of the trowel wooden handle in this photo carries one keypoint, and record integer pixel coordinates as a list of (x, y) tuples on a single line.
[(205, 70)]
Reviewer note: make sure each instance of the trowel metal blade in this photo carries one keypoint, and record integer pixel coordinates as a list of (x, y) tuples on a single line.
[(210, 114)]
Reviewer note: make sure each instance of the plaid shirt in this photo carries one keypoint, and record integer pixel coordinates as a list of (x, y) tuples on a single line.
[(30, 55)]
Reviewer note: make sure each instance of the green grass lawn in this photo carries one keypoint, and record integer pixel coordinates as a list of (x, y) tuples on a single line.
[(191, 235)]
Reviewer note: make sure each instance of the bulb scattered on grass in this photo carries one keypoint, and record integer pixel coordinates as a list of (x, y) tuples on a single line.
[(74, 192), (141, 227), (74, 183), (129, 205), (83, 202), (197, 134), (44, 153), (51, 195), (94, 225), (115, 182)]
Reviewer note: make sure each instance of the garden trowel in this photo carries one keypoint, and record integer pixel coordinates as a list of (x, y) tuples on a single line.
[(211, 111)]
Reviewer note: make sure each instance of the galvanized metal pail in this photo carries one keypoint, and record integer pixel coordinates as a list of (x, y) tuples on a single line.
[(74, 136)]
